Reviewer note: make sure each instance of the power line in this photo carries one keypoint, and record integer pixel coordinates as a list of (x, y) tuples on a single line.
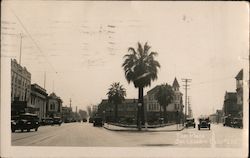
[(33, 40)]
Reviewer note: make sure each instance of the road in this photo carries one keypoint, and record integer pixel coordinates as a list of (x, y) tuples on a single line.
[(85, 135)]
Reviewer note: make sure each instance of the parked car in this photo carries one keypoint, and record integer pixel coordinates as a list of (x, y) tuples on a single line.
[(57, 121), (84, 120), (227, 121), (204, 123), (26, 121), (237, 123), (91, 120), (190, 122), (98, 121), (46, 121)]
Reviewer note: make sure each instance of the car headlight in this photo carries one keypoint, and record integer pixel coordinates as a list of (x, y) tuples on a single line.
[(28, 122)]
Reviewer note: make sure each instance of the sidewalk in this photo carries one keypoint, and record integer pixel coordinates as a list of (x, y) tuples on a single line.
[(168, 128)]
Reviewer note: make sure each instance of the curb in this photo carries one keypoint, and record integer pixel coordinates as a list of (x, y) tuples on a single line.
[(127, 130)]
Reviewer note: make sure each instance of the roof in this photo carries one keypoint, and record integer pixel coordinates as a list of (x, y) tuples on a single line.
[(154, 89), (175, 83), (240, 75)]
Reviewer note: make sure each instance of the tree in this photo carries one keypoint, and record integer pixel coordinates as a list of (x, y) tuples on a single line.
[(164, 96), (116, 94), (141, 68)]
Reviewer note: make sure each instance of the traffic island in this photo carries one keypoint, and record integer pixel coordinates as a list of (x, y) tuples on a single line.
[(159, 128)]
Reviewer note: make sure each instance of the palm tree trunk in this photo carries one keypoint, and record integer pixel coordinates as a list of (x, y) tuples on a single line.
[(116, 112), (165, 114), (140, 112)]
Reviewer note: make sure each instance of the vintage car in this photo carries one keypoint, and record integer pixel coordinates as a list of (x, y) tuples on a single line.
[(237, 123), (190, 122), (98, 121), (46, 121), (227, 121), (26, 121), (91, 119), (204, 123), (57, 121), (84, 120)]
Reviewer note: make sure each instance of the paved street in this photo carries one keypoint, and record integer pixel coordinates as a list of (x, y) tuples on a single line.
[(85, 135)]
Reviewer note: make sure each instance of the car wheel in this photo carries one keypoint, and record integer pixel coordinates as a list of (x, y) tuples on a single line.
[(13, 130), (21, 130), (28, 130), (36, 129)]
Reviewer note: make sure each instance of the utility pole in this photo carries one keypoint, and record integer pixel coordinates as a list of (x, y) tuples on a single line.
[(186, 85), (70, 102), (188, 107), (20, 57), (44, 80)]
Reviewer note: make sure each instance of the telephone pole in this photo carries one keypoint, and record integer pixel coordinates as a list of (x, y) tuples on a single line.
[(186, 85), (70, 102), (44, 80), (20, 57)]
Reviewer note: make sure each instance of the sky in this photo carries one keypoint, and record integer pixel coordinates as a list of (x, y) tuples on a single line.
[(79, 46)]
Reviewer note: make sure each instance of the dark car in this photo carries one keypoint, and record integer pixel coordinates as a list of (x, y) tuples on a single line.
[(227, 121), (46, 121), (237, 123), (91, 120), (26, 121), (190, 122), (204, 123), (98, 122), (84, 120), (57, 121)]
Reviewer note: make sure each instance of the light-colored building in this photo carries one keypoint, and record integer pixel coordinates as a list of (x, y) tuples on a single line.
[(20, 82), (38, 100), (154, 109), (54, 106)]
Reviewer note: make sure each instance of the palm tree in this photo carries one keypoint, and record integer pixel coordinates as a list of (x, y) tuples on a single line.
[(116, 94), (140, 68), (164, 96)]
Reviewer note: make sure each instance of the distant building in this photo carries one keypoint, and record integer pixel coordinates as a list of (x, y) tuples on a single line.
[(67, 114), (219, 115), (239, 92), (230, 104), (38, 100), (20, 88), (54, 106), (127, 109)]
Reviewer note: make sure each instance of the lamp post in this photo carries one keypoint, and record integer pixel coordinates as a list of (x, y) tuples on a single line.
[(139, 116)]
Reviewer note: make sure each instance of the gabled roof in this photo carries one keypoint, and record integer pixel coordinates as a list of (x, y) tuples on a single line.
[(154, 89), (175, 83), (240, 75)]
